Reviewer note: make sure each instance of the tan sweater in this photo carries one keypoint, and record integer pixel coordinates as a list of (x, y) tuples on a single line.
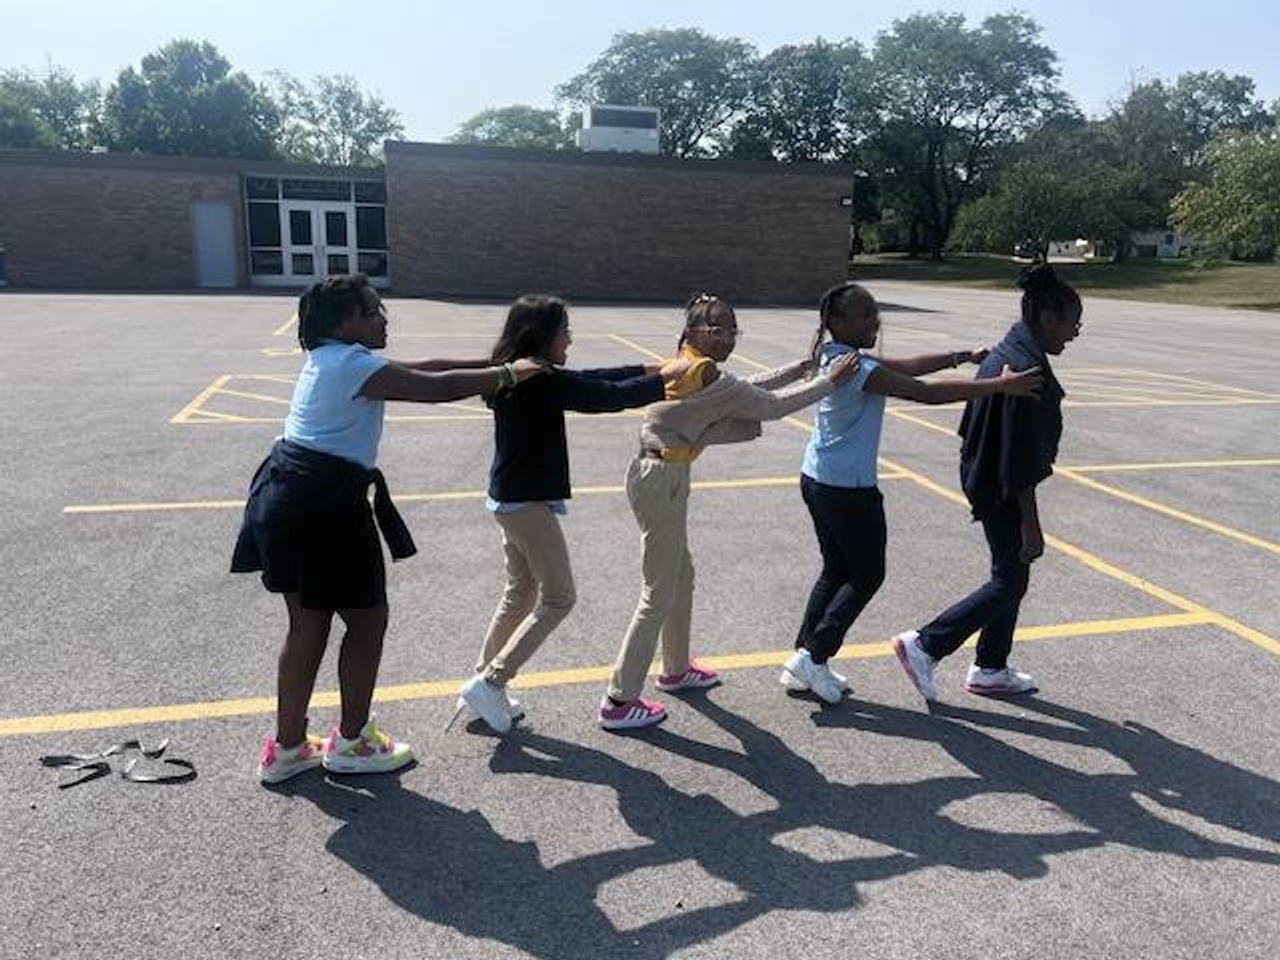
[(729, 410)]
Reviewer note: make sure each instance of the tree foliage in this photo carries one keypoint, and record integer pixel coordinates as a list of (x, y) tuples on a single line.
[(1237, 210), (698, 82), (185, 99), (332, 121), (516, 126)]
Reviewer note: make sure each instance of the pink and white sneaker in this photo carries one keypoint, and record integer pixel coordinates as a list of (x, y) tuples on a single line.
[(631, 716), (277, 763), (1006, 682), (370, 752), (694, 678)]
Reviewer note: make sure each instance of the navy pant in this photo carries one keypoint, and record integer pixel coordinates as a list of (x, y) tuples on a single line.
[(993, 607), (851, 532)]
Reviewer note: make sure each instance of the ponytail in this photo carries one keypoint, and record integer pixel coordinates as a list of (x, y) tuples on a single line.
[(835, 301)]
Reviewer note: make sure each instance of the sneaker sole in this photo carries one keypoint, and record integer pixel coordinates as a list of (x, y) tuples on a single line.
[(632, 724), (900, 648), (1000, 691), (356, 767), (698, 685), (269, 777)]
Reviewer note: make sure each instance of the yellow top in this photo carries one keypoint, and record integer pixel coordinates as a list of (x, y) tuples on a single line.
[(686, 386)]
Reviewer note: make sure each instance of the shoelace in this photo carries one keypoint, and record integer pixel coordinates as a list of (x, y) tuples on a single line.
[(98, 765)]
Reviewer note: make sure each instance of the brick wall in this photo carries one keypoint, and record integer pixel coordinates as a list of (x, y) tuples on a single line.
[(98, 223), (481, 221)]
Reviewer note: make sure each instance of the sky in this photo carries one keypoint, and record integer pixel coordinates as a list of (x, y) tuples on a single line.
[(440, 63)]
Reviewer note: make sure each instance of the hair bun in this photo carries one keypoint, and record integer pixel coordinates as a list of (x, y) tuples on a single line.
[(1038, 278)]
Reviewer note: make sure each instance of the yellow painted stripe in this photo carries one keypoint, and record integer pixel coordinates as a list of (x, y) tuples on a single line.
[(1170, 465), (443, 496), (618, 338), (228, 392), (199, 400), (285, 327), (1216, 387), (1157, 507), (435, 689)]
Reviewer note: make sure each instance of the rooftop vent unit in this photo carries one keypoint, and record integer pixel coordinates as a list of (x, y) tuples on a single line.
[(621, 129)]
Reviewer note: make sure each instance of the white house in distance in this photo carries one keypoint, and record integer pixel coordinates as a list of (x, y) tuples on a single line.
[(611, 127)]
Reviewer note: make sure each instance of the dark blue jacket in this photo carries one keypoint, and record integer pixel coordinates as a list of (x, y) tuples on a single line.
[(531, 456), (1010, 443)]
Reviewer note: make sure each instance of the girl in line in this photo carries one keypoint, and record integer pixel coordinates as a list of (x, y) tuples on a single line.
[(705, 405), (528, 487), (838, 478), (1008, 449), (309, 528)]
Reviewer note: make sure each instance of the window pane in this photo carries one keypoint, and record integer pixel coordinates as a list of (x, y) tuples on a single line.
[(300, 227), (339, 263), (335, 228), (371, 228), (315, 189), (262, 188), (266, 262), (371, 191), (372, 263), (303, 265), (264, 224)]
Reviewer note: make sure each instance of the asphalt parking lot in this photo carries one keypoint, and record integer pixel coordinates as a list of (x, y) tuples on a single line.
[(1130, 809)]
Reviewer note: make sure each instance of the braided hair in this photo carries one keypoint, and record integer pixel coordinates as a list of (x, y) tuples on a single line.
[(326, 304), (834, 302), (1043, 290), (698, 312)]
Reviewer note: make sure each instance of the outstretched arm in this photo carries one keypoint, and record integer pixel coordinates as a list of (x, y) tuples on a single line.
[(890, 383), (928, 363), (435, 366), (773, 379), (393, 382)]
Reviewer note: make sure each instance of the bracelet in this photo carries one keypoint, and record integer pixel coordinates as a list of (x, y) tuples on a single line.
[(955, 360), (506, 376)]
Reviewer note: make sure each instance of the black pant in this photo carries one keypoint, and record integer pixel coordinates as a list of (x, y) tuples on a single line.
[(851, 532), (993, 607)]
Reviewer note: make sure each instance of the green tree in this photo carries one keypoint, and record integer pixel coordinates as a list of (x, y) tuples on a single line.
[(185, 99), (799, 103), (942, 106), (700, 83), (20, 127), (332, 121), (69, 111), (1237, 211), (516, 126)]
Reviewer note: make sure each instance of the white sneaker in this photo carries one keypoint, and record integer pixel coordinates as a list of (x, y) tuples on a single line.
[(917, 664), (792, 682), (514, 707), (815, 677), (998, 683), (488, 702)]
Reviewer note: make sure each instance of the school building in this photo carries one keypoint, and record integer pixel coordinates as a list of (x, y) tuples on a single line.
[(439, 220)]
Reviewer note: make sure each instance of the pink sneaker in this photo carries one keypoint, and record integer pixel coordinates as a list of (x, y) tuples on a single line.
[(278, 764), (631, 716), (694, 678)]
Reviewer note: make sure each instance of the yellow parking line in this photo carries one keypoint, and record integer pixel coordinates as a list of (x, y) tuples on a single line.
[(1216, 387), (442, 496), (1149, 504), (436, 689), (1171, 465), (226, 392), (285, 327), (194, 406)]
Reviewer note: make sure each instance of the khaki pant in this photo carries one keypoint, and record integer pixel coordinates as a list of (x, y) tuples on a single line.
[(538, 595), (659, 495)]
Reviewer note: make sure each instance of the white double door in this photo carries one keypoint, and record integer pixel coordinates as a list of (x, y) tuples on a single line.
[(319, 239)]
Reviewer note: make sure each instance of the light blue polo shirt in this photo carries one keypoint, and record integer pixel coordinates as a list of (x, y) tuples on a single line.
[(326, 414), (845, 442)]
